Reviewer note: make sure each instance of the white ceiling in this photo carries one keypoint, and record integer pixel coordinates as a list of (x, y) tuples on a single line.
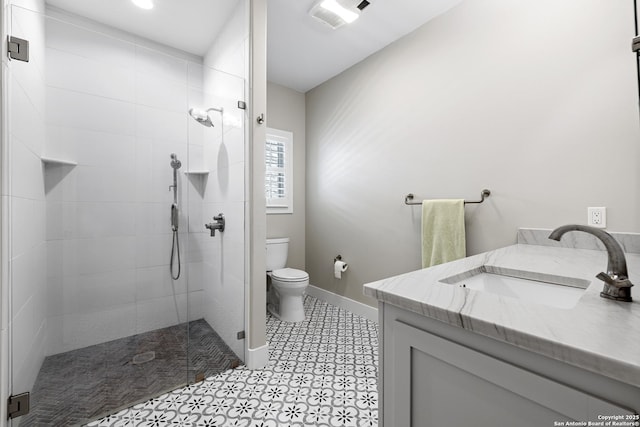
[(188, 25), (301, 52)]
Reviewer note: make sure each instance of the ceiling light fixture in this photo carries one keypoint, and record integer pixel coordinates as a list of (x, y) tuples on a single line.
[(143, 4), (338, 9), (336, 13)]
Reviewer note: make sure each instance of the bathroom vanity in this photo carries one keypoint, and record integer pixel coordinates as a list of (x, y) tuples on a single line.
[(516, 336)]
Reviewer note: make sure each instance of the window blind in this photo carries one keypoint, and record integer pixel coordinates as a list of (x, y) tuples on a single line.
[(275, 179)]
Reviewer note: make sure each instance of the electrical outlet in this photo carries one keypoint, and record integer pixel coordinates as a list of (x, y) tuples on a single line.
[(597, 217)]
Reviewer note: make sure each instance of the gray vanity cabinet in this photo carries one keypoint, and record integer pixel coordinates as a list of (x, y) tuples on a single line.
[(434, 374)]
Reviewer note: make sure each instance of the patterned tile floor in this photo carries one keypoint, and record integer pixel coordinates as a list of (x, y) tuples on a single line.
[(322, 372)]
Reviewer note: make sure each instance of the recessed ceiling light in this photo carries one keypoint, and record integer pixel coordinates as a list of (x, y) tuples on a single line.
[(143, 4)]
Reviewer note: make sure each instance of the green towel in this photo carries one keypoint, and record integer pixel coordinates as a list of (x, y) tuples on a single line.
[(443, 237)]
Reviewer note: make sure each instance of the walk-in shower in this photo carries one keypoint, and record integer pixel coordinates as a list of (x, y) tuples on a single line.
[(114, 298), (175, 244)]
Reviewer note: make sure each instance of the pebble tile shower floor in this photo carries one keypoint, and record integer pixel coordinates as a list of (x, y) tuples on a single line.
[(321, 372)]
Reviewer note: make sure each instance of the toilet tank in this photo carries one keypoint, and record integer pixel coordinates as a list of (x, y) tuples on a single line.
[(277, 251)]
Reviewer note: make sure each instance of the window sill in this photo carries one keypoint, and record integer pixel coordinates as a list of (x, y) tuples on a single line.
[(271, 210)]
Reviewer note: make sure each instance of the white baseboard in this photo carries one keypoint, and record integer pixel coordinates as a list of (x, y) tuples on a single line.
[(348, 304), (257, 358)]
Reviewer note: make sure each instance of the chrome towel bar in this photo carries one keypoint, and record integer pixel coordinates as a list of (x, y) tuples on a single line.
[(485, 193)]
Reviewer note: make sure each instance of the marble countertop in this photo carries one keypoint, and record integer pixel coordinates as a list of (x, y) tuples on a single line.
[(598, 334)]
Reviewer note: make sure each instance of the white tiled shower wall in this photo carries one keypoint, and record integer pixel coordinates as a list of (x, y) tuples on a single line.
[(118, 108)]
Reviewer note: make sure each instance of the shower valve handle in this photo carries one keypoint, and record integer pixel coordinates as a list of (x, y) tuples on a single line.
[(219, 224)]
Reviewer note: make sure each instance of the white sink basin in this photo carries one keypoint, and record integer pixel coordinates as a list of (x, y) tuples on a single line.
[(551, 290)]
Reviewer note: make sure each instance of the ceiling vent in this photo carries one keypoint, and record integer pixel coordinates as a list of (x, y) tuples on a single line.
[(336, 13)]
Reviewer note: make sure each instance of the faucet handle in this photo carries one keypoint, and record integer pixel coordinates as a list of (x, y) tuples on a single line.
[(617, 288), (605, 278), (616, 281)]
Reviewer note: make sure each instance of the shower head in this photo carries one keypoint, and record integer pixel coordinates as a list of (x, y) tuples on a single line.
[(202, 116), (175, 163)]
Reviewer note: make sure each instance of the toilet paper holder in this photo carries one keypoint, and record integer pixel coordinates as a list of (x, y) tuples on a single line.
[(339, 267)]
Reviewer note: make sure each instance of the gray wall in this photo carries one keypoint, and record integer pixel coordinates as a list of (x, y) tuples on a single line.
[(286, 111), (536, 101)]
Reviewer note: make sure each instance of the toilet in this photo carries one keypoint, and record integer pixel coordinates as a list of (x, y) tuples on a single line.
[(287, 284)]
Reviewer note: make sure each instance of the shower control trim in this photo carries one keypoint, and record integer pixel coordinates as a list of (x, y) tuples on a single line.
[(218, 224)]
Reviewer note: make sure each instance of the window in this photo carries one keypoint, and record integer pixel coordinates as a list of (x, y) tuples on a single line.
[(279, 171)]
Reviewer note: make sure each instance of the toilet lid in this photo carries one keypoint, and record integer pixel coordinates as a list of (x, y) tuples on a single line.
[(289, 275)]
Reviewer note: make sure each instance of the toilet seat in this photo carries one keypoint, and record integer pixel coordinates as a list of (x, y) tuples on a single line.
[(289, 275)]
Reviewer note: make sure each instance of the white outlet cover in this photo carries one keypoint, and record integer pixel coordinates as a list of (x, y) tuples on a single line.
[(597, 217)]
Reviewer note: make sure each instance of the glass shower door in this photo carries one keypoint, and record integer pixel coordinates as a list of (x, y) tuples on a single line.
[(216, 189), (98, 126)]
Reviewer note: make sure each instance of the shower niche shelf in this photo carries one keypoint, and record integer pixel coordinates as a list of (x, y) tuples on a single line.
[(198, 179), (49, 161)]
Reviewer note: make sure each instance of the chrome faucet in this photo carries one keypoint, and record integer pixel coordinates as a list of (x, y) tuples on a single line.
[(217, 225), (617, 285)]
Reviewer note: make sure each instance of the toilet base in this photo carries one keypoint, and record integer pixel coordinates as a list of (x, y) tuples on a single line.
[(291, 309), (271, 309)]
